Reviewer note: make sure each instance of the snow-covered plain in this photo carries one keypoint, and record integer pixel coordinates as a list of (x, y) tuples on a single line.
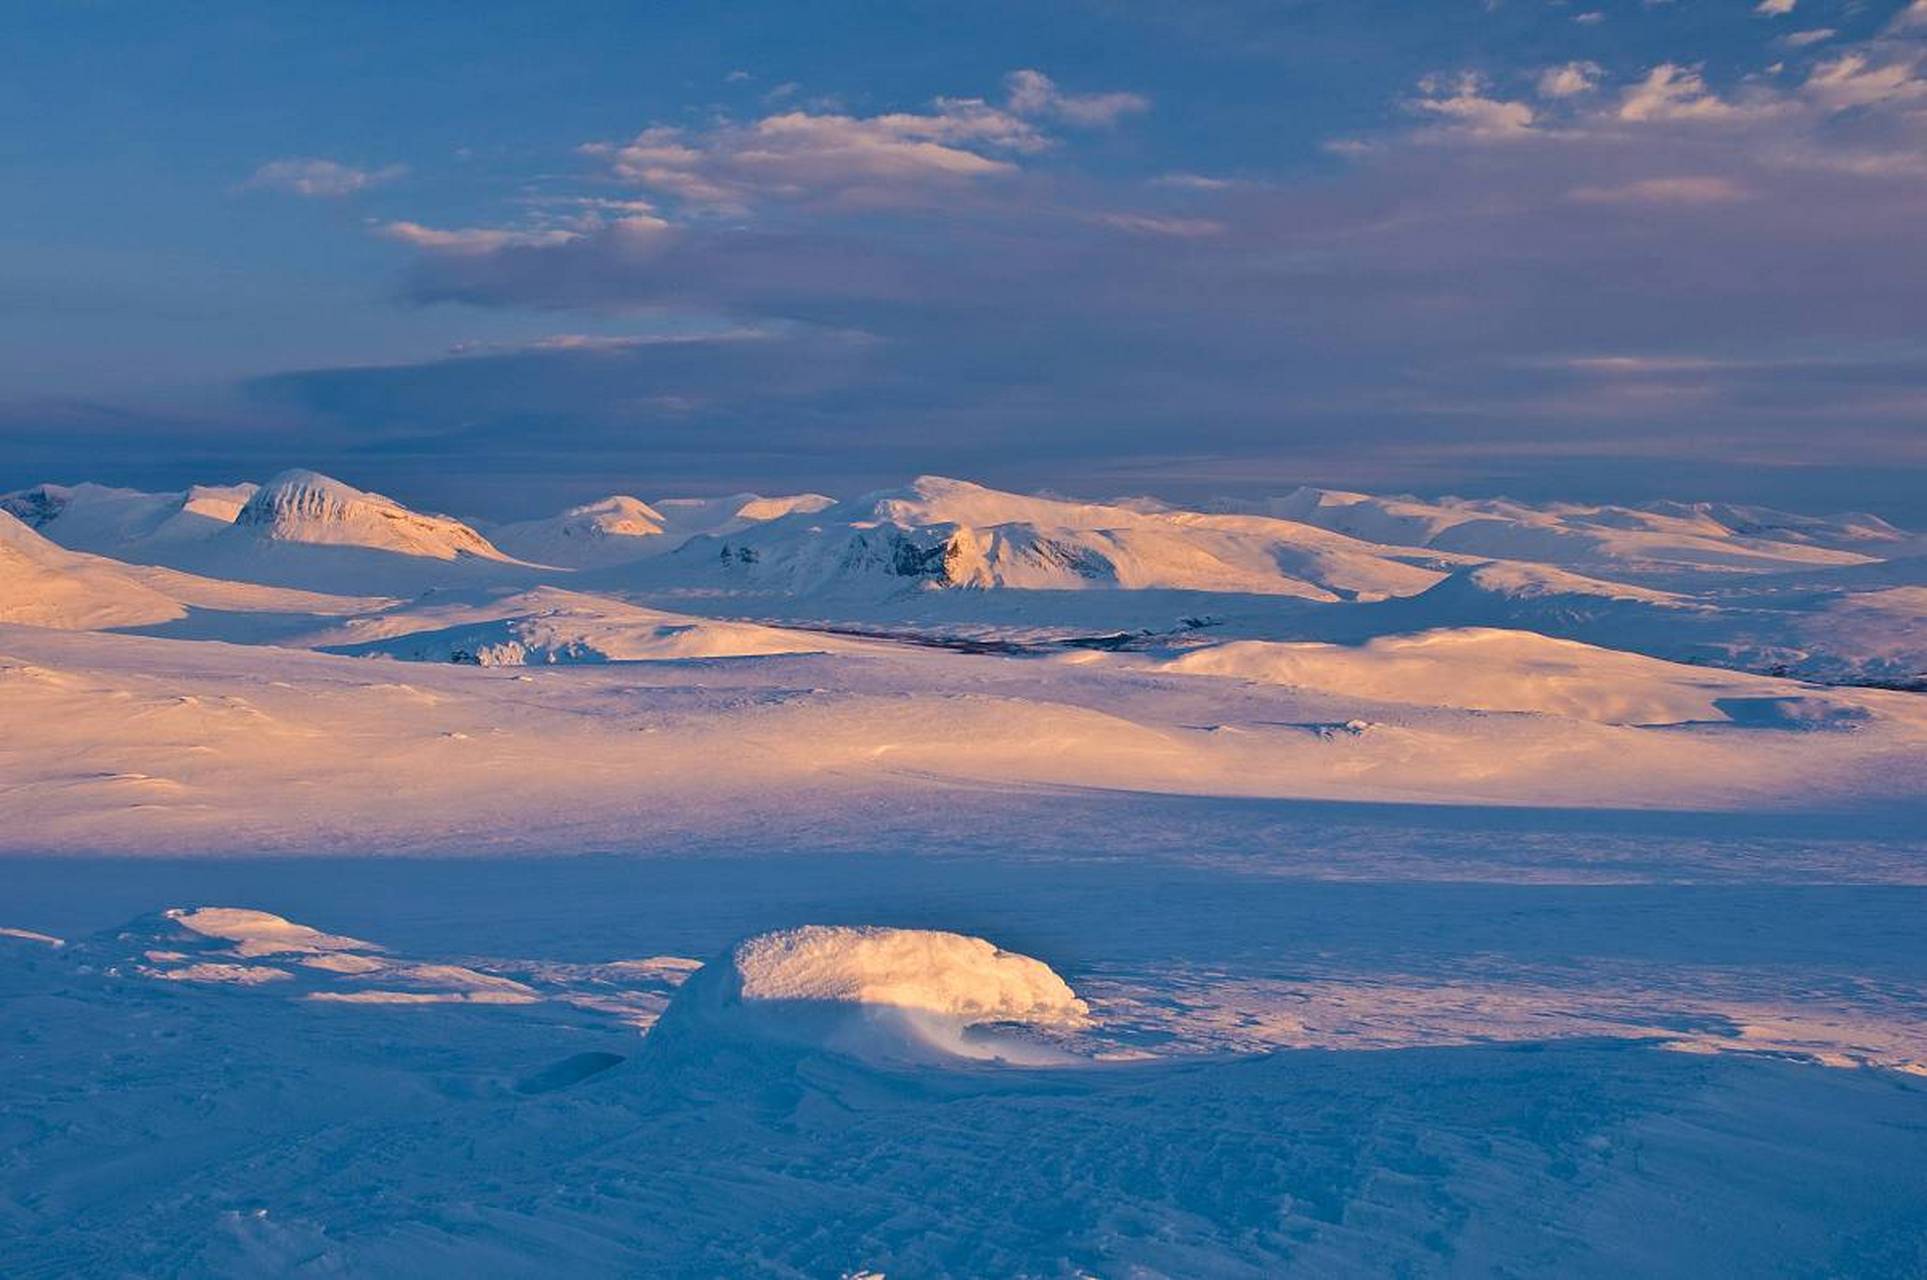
[(952, 882)]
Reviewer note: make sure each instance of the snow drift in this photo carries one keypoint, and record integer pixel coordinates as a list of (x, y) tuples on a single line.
[(880, 995)]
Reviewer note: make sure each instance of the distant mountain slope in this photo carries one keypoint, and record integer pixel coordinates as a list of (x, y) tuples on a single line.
[(610, 531), (308, 507), (1610, 540), (121, 522), (44, 585), (619, 528), (942, 533)]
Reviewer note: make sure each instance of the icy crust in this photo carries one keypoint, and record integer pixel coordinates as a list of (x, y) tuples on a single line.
[(878, 994)]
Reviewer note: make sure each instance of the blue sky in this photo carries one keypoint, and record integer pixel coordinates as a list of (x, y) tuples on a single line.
[(496, 257)]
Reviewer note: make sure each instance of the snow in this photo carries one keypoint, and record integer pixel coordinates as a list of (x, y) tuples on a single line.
[(549, 626), (308, 507), (949, 533), (880, 995), (43, 585), (611, 531), (1492, 670), (1659, 539), (1336, 885)]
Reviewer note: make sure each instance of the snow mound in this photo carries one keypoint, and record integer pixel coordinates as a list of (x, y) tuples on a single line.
[(307, 507), (260, 933), (878, 994), (1488, 669)]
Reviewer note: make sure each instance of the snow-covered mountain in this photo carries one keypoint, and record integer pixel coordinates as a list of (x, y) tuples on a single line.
[(612, 530), (46, 585), (685, 518), (308, 507), (1660, 539), (620, 528), (943, 533), (125, 523)]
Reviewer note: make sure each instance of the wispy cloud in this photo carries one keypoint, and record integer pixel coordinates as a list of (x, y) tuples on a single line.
[(314, 178), (1678, 190), (893, 156), (1466, 103), (1032, 93), (1151, 224)]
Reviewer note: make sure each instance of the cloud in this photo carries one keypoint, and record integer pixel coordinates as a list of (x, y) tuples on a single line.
[(1671, 92), (1856, 80), (1569, 79), (313, 178), (1422, 299), (471, 240), (800, 155), (1801, 39), (1680, 190), (1032, 93), (1160, 225), (1195, 182), (804, 155), (1775, 8), (1464, 102), (1912, 18)]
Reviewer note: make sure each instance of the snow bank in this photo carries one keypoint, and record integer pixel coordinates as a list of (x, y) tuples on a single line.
[(877, 994)]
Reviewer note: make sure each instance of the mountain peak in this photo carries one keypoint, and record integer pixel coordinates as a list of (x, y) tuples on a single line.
[(299, 505)]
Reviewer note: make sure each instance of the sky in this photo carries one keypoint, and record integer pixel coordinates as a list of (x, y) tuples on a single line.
[(496, 258)]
